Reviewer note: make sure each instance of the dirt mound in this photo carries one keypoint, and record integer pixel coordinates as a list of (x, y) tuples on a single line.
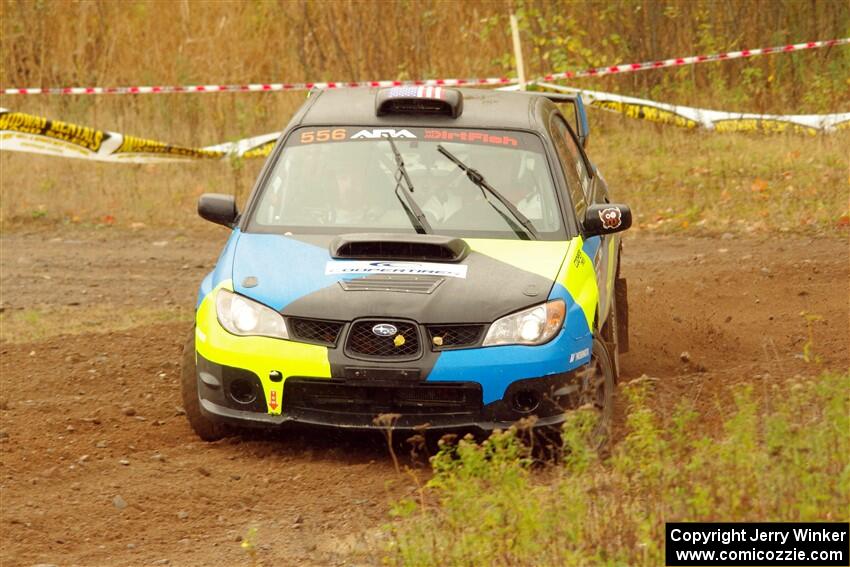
[(100, 468)]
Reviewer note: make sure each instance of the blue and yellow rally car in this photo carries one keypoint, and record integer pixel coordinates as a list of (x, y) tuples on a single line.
[(445, 256)]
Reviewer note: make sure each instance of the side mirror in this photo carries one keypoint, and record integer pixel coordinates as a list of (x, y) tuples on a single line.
[(218, 208), (606, 219)]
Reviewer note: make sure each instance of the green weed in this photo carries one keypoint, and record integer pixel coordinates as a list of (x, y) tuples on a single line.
[(249, 545), (784, 456), (808, 347)]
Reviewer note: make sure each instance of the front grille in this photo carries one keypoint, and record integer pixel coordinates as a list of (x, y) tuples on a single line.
[(315, 330), (445, 337), (380, 282), (363, 342), (338, 396)]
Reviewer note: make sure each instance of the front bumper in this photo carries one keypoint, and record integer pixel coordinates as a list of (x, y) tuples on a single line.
[(281, 381), (372, 402)]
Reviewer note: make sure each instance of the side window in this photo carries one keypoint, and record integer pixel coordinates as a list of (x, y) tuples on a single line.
[(575, 170)]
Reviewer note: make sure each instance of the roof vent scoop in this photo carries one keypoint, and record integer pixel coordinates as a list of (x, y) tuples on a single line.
[(419, 100), (417, 248)]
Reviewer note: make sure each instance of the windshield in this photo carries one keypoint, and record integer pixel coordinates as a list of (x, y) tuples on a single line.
[(338, 180)]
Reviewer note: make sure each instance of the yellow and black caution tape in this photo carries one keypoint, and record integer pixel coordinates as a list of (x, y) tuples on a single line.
[(720, 121), (23, 132)]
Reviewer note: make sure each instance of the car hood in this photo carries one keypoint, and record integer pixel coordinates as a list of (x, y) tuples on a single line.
[(298, 276)]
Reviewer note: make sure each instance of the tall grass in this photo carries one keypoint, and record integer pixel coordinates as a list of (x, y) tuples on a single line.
[(100, 42), (674, 179), (783, 455), (59, 42)]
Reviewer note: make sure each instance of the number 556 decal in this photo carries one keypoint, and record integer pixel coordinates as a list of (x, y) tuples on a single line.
[(310, 136)]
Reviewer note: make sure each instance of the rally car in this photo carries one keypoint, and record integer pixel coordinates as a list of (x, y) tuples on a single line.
[(422, 256)]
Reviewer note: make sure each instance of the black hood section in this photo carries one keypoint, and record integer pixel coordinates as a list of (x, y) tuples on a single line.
[(417, 248), (491, 289)]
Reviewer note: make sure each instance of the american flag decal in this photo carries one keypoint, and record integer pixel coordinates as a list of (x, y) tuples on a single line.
[(417, 92)]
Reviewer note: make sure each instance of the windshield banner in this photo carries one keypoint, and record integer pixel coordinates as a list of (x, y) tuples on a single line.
[(321, 135)]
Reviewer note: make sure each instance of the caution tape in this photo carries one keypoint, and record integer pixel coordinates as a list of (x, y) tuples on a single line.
[(720, 121), (480, 81), (262, 87), (21, 132), (681, 61)]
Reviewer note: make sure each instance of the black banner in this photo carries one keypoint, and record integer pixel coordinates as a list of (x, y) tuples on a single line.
[(810, 543)]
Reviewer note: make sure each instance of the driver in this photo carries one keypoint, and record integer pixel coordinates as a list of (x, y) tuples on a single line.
[(353, 202), (507, 177), (502, 169)]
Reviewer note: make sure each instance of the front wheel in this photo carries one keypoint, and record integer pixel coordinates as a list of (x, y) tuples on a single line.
[(204, 427), (597, 394)]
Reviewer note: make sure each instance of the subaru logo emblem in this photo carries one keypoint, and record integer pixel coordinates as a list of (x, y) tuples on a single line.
[(384, 330)]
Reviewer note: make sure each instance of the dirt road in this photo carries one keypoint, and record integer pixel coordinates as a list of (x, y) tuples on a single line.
[(99, 467)]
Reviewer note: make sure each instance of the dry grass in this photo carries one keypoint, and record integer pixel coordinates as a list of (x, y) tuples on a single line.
[(715, 183), (670, 177), (59, 42), (43, 189), (42, 322)]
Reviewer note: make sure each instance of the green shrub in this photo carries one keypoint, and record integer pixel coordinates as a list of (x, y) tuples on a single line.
[(782, 455)]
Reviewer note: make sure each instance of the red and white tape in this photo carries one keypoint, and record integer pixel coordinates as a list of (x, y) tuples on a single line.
[(680, 61), (261, 87), (273, 87)]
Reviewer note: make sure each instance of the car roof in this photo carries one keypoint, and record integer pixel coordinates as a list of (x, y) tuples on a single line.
[(482, 108)]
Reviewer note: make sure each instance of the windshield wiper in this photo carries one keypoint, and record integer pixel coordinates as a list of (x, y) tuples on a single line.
[(414, 213), (529, 232)]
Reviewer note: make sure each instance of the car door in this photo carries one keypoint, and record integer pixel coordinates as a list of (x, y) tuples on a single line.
[(584, 189)]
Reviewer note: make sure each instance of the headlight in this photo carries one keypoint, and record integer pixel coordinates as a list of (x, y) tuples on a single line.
[(533, 326), (243, 316)]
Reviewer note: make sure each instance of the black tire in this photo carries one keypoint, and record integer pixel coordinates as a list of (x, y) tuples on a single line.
[(611, 333), (203, 426), (596, 393), (602, 396), (621, 297)]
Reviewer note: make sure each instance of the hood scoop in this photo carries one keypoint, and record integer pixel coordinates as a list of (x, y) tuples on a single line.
[(418, 248)]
